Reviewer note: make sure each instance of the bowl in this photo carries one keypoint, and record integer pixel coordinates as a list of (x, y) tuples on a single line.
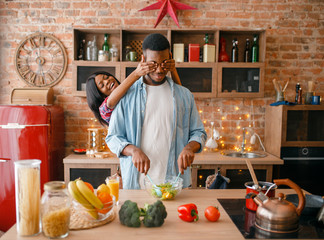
[(93, 215), (168, 187)]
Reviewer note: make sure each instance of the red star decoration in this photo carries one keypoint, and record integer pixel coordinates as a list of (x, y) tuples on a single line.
[(167, 6)]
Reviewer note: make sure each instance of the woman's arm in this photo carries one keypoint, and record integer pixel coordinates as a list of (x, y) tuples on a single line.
[(142, 69), (175, 76), (169, 65)]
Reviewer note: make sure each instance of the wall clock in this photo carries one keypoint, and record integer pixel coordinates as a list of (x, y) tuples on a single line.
[(41, 60)]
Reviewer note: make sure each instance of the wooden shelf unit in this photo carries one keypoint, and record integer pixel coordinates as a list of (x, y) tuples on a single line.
[(277, 134), (205, 80)]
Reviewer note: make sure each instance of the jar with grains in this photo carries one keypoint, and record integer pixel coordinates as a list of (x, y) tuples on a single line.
[(55, 210), (103, 56)]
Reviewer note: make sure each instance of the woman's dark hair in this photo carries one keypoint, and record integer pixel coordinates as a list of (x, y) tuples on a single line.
[(94, 97), (155, 42)]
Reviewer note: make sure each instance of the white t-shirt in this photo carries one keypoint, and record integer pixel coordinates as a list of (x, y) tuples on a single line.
[(156, 131)]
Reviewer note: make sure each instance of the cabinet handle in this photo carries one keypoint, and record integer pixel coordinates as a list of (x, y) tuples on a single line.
[(4, 160), (195, 166)]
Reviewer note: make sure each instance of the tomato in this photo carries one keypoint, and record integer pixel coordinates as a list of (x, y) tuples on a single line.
[(212, 214)]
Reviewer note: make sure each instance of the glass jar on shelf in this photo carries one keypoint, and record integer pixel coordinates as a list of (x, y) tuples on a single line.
[(55, 210), (113, 53), (102, 56)]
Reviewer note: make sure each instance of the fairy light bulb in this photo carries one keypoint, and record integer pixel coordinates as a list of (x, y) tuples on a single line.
[(223, 118), (237, 108), (238, 127), (200, 111)]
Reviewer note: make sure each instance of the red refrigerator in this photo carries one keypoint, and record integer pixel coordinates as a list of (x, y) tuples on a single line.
[(28, 132)]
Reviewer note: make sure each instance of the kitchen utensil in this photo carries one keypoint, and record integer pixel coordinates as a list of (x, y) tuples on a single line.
[(278, 215), (320, 215), (286, 85), (312, 205), (275, 84), (176, 180), (255, 181), (156, 188), (266, 187)]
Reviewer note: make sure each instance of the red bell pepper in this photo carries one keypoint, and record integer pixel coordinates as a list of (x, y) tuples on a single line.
[(188, 212)]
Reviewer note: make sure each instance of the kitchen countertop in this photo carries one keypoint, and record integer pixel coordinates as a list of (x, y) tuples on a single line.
[(173, 228), (200, 158)]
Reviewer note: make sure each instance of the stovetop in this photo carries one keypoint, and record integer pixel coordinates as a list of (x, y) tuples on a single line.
[(244, 220)]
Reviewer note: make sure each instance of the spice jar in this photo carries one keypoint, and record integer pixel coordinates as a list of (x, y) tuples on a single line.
[(55, 210), (103, 56)]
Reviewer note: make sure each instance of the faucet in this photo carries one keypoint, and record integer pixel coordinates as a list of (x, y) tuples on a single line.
[(243, 141), (252, 140)]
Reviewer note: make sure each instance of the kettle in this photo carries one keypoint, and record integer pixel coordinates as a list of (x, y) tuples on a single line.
[(278, 215)]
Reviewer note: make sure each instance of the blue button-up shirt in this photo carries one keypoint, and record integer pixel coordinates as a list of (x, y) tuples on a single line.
[(126, 128)]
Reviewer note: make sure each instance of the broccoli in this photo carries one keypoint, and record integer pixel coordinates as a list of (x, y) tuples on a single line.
[(129, 214), (154, 214)]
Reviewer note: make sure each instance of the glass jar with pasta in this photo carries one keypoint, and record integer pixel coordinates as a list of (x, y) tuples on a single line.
[(27, 185), (55, 210)]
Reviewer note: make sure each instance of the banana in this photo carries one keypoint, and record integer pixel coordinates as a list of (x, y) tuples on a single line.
[(75, 193), (89, 195)]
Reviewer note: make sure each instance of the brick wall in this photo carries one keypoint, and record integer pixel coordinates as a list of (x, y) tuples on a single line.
[(294, 49)]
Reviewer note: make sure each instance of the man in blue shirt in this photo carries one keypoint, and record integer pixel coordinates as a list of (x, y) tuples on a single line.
[(155, 128)]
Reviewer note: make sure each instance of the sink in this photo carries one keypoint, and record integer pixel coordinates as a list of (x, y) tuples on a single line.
[(245, 154)]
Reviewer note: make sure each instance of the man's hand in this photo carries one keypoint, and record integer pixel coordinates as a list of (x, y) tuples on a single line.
[(185, 159), (139, 158), (140, 161)]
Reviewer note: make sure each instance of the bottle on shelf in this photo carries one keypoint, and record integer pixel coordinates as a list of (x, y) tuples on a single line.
[(81, 55), (223, 56), (234, 55), (105, 45), (206, 38), (208, 50), (89, 51), (247, 52), (255, 49), (94, 55), (300, 98), (297, 92), (113, 53)]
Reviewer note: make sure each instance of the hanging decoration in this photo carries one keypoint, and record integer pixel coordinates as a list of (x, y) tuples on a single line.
[(168, 6)]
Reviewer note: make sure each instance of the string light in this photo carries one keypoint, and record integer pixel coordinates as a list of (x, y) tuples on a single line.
[(237, 108)]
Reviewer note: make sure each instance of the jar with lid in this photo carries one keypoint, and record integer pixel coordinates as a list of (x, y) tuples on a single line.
[(102, 56), (55, 210), (113, 53), (128, 49)]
